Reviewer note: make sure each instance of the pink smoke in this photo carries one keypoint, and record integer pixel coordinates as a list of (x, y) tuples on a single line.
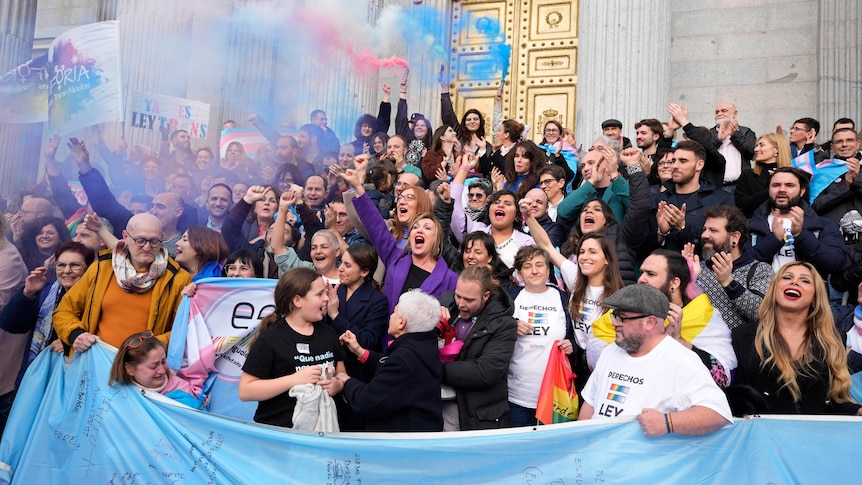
[(322, 31)]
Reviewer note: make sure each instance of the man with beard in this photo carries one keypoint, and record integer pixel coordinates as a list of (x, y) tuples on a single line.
[(648, 132), (679, 209), (287, 151), (693, 322), (181, 155), (728, 273), (480, 313), (734, 142), (785, 228), (645, 373)]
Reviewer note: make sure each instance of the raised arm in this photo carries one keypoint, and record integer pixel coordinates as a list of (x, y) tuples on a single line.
[(100, 196), (63, 195), (378, 233), (265, 129), (640, 199)]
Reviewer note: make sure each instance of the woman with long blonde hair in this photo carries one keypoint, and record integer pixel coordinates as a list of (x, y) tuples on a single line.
[(770, 152), (795, 356)]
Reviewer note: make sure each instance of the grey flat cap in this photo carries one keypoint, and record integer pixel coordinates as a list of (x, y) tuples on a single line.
[(639, 298)]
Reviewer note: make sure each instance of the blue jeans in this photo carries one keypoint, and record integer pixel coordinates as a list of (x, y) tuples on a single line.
[(520, 416)]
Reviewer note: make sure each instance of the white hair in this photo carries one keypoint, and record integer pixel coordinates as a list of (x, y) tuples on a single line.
[(329, 235), (421, 310)]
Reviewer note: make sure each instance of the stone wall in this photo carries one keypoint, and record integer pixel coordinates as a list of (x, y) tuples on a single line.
[(761, 55)]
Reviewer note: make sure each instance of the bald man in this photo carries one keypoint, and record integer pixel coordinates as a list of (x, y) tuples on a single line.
[(538, 202), (32, 208), (734, 142), (134, 288), (168, 207)]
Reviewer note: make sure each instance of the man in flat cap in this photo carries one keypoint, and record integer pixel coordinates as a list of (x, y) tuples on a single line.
[(614, 129), (648, 374)]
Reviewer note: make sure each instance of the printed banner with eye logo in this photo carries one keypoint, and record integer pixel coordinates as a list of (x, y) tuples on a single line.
[(224, 314)]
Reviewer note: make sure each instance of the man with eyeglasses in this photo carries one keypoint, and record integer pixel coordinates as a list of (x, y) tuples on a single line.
[(848, 188), (647, 374), (552, 180), (693, 322), (32, 208), (803, 135), (132, 288)]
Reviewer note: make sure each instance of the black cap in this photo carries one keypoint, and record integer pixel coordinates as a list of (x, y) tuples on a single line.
[(611, 122)]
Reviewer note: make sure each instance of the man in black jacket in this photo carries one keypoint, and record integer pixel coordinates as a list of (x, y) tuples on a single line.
[(679, 210), (481, 314)]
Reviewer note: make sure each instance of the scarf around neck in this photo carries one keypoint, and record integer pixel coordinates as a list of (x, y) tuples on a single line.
[(128, 278)]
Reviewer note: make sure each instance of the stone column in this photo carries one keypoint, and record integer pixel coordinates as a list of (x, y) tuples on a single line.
[(623, 63), (840, 76), (424, 91), (155, 36), (19, 144)]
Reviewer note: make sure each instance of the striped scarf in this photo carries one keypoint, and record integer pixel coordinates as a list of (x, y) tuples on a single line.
[(128, 278)]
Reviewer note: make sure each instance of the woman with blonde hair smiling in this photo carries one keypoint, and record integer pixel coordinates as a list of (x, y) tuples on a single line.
[(770, 152), (795, 356)]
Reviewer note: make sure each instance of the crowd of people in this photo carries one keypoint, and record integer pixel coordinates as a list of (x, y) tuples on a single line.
[(425, 275)]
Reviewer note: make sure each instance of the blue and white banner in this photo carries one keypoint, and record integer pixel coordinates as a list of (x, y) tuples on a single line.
[(69, 426)]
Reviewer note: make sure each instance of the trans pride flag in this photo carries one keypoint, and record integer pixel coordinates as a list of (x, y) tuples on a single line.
[(251, 140), (822, 174), (223, 315)]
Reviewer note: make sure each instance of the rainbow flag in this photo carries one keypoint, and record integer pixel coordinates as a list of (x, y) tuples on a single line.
[(558, 401)]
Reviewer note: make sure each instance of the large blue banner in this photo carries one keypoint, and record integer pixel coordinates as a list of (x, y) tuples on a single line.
[(69, 426)]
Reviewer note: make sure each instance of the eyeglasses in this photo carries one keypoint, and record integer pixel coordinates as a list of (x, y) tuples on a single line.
[(141, 242), (60, 267), (551, 130), (139, 339), (237, 267), (545, 182), (799, 128), (407, 197), (476, 195), (614, 316)]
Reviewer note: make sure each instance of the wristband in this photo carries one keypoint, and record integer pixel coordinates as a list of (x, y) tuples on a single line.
[(668, 422), (364, 356), (664, 234)]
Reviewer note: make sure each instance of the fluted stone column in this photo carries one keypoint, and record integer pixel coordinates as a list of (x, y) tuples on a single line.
[(424, 91), (155, 40), (19, 144), (623, 63), (840, 77)]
